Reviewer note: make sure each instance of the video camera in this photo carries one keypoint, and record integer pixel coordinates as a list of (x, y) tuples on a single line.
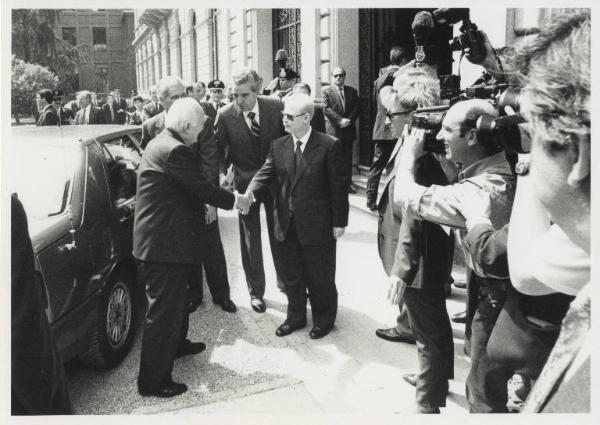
[(469, 41), (430, 119)]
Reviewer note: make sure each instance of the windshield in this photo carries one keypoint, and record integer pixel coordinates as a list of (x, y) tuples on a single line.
[(42, 177)]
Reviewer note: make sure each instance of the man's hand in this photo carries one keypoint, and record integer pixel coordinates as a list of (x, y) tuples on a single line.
[(210, 214), (242, 202), (396, 289), (475, 206), (338, 232)]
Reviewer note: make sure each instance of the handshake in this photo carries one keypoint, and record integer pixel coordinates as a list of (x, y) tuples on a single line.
[(244, 202)]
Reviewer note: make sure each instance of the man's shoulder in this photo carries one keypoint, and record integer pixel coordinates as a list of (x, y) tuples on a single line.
[(324, 138), (270, 102)]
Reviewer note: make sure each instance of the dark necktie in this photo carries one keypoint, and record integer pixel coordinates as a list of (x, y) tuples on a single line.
[(297, 157), (254, 126), (341, 92), (84, 110)]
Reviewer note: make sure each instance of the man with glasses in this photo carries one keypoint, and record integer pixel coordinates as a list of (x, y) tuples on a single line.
[(245, 129), (307, 260), (169, 89), (341, 111)]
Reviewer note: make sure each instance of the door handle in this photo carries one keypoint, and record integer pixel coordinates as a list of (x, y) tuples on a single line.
[(68, 247)]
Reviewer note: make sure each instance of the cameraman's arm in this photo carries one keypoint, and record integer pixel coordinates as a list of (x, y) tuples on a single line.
[(491, 62)]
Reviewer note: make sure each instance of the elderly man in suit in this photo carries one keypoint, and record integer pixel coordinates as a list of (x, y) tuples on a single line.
[(341, 111), (305, 168), (169, 88), (169, 213), (245, 129), (88, 114)]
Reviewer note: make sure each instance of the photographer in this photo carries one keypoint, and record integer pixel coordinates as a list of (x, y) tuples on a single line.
[(484, 168)]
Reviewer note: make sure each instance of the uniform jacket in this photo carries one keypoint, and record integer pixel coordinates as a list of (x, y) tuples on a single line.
[(96, 116), (237, 144), (317, 190), (171, 190), (335, 111)]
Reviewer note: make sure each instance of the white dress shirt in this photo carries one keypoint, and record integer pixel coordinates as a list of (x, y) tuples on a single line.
[(302, 140), (256, 115)]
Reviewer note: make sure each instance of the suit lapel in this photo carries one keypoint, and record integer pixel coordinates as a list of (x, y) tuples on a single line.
[(238, 115), (288, 157)]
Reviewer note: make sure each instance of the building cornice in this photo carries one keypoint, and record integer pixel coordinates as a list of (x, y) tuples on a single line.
[(150, 19)]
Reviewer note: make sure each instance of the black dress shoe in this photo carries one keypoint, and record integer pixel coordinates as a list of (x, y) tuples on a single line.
[(287, 328), (170, 389), (190, 347), (319, 332), (393, 335), (258, 305), (459, 284), (411, 378), (228, 306), (459, 317)]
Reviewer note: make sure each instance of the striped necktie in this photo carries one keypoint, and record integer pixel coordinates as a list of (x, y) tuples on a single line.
[(254, 126)]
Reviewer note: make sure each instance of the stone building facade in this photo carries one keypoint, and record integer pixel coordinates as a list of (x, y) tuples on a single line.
[(107, 35), (204, 44)]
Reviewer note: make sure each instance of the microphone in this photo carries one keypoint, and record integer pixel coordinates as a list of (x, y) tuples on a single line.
[(421, 27)]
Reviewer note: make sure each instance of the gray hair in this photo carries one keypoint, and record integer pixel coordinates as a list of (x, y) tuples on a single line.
[(84, 93), (182, 111), (247, 76), (413, 88), (165, 84), (555, 67)]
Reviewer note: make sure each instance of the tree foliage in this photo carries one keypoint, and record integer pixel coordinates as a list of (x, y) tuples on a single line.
[(26, 80), (34, 41)]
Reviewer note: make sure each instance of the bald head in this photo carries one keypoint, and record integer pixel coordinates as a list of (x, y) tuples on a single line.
[(300, 103), (186, 118), (170, 88), (297, 113), (467, 112)]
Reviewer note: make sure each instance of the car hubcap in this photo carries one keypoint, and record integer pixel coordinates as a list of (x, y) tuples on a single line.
[(118, 315)]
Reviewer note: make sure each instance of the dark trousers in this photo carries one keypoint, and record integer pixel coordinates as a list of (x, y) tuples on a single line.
[(435, 347), (381, 156), (251, 246), (486, 383), (166, 322), (309, 268), (215, 267)]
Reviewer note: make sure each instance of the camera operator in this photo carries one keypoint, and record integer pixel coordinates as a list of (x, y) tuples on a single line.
[(484, 168), (423, 256), (555, 65)]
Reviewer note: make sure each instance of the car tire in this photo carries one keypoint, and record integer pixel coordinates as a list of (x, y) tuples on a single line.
[(113, 328)]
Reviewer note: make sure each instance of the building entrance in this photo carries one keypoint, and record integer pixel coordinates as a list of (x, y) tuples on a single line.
[(380, 30)]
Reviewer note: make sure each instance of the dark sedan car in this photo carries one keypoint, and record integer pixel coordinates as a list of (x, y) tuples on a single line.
[(77, 184)]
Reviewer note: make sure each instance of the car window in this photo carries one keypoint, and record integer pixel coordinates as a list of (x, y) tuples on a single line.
[(42, 176), (123, 159)]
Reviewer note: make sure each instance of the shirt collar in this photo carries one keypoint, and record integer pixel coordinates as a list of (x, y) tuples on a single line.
[(497, 160), (304, 138)]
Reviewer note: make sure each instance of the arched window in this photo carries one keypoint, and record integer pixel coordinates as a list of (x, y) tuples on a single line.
[(193, 45)]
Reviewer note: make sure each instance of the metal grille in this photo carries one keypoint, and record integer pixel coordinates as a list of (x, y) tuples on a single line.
[(286, 35)]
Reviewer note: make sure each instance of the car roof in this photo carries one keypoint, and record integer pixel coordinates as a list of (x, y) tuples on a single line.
[(68, 134)]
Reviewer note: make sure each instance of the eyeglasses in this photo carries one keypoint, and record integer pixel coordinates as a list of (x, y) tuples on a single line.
[(338, 75), (290, 117)]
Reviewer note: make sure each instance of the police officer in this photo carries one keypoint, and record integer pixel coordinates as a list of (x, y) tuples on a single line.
[(287, 77), (48, 116), (216, 90)]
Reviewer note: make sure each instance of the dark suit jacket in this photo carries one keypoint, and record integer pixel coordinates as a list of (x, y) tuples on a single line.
[(151, 127), (120, 117), (318, 120), (334, 112), (171, 189), (318, 191), (107, 115), (48, 116), (209, 110), (236, 142), (96, 116)]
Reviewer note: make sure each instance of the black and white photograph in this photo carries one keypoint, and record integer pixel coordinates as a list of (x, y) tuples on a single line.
[(344, 211)]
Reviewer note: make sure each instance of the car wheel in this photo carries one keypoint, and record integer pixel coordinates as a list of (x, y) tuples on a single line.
[(113, 328)]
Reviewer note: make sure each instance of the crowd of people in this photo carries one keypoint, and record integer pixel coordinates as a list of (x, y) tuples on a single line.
[(524, 225)]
